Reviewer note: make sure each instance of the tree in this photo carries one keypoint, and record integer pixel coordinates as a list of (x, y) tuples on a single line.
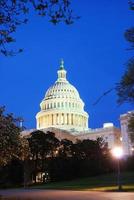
[(14, 13), (11, 144), (125, 88), (42, 146), (66, 148)]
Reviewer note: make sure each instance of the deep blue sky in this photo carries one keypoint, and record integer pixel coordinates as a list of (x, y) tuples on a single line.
[(94, 51)]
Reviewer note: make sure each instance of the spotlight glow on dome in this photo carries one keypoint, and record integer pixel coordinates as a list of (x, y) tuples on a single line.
[(62, 106)]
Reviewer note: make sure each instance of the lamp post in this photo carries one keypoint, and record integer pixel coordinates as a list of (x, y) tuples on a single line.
[(117, 152)]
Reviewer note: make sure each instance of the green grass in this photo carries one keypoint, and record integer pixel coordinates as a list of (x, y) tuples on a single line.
[(98, 183)]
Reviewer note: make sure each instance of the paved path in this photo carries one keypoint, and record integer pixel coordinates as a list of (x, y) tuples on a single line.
[(65, 195)]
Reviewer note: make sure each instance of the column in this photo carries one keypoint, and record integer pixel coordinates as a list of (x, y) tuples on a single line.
[(60, 119), (45, 120), (76, 120), (50, 119), (67, 118), (63, 118), (81, 120), (72, 119), (54, 119)]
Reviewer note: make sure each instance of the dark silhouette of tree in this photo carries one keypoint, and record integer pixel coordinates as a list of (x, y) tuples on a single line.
[(42, 146), (11, 144), (66, 148), (125, 88), (14, 13)]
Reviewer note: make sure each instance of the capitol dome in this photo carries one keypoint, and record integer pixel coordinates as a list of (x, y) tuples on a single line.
[(62, 106)]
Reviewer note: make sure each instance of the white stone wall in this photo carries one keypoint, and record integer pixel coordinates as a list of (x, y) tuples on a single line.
[(126, 142)]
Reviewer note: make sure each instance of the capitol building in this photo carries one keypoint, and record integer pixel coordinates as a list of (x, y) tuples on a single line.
[(62, 106), (62, 112)]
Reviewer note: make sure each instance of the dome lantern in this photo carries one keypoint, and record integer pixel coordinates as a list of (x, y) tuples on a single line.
[(62, 72), (61, 64)]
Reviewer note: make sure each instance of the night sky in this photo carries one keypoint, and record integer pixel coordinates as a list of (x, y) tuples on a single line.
[(94, 52)]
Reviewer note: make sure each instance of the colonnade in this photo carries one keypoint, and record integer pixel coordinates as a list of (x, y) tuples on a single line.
[(52, 105), (62, 119)]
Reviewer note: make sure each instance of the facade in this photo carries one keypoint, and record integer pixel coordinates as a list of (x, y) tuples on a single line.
[(62, 112), (128, 146)]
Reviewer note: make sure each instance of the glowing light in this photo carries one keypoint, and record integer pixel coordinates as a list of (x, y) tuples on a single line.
[(132, 148), (117, 152)]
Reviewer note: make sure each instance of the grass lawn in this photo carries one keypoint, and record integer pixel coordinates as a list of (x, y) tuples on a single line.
[(98, 183)]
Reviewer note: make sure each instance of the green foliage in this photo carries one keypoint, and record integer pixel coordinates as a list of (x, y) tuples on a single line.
[(15, 13), (125, 89), (66, 148), (129, 35), (11, 144), (131, 4), (64, 159), (42, 145)]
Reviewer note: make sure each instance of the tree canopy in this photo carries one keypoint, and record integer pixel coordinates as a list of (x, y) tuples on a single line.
[(125, 88), (11, 144), (14, 13)]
